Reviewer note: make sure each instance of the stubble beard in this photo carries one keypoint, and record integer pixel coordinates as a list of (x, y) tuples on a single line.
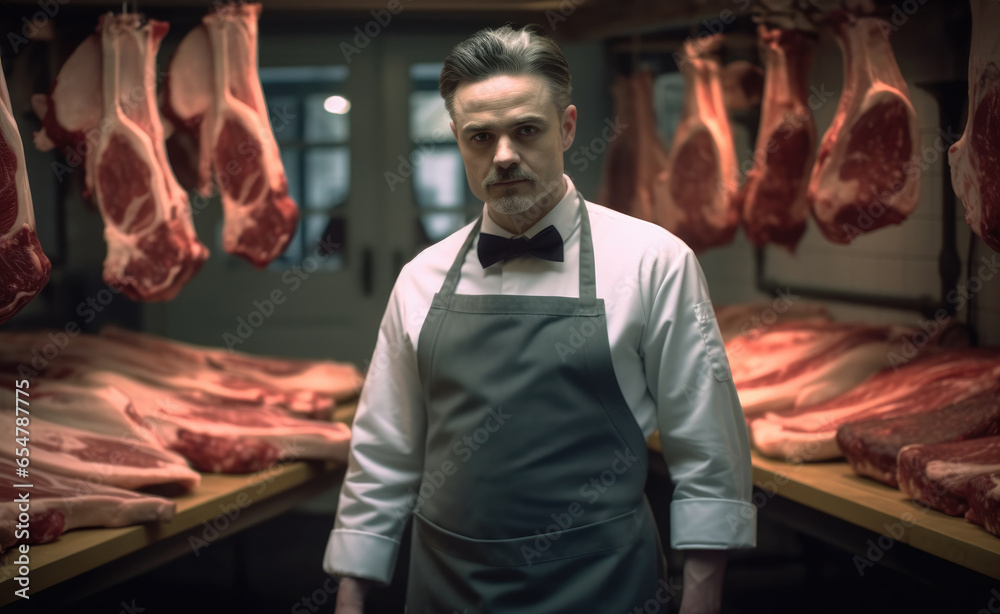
[(511, 203)]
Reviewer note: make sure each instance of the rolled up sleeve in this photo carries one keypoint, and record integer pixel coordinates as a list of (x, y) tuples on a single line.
[(702, 430), (386, 459)]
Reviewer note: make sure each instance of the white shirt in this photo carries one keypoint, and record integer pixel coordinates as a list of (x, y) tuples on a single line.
[(667, 355)]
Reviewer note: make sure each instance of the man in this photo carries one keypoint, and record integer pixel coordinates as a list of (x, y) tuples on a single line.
[(514, 384)]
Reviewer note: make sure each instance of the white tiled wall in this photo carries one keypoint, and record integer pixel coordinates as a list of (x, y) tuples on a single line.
[(899, 260)]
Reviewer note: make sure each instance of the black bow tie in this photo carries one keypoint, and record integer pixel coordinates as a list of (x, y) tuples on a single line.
[(547, 244)]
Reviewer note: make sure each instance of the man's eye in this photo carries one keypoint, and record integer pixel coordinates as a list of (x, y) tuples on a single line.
[(528, 130), (481, 137)]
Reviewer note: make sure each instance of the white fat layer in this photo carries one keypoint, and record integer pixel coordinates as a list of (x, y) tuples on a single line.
[(773, 440), (191, 78), (77, 94), (941, 470)]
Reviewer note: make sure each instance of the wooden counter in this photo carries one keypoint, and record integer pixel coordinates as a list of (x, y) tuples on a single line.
[(83, 561), (221, 506), (835, 490)]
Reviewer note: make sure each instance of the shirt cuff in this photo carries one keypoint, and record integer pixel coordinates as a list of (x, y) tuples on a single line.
[(712, 524), (360, 555)]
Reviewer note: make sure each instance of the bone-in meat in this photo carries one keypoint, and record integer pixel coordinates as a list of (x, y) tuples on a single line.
[(694, 197), (24, 268), (102, 112), (214, 92), (865, 176), (60, 503), (775, 205), (975, 158)]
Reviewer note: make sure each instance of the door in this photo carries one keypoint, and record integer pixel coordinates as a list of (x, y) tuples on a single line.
[(427, 191)]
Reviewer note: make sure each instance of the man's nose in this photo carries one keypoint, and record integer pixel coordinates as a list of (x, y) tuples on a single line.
[(505, 154)]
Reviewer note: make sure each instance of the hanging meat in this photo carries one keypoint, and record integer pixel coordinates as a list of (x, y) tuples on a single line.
[(619, 186), (775, 206), (975, 158), (742, 85), (636, 155), (24, 268), (222, 104), (71, 111), (103, 104), (653, 157), (694, 196), (864, 178)]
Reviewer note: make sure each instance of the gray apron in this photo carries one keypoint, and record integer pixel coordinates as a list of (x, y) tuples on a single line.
[(532, 496)]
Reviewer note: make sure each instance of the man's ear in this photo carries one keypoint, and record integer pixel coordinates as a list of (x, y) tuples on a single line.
[(568, 126), (453, 131)]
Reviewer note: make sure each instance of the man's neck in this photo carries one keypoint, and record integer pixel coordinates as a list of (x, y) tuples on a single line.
[(520, 223)]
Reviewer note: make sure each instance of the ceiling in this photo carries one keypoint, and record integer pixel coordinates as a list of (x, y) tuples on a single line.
[(577, 20)]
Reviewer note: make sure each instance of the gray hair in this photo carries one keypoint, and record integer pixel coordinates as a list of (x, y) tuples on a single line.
[(506, 51)]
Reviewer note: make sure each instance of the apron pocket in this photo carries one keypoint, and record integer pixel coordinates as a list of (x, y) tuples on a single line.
[(712, 341), (596, 537)]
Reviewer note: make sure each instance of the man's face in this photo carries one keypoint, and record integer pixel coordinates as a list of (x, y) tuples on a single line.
[(512, 140)]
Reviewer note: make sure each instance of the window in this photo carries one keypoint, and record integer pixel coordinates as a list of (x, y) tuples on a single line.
[(668, 100), (310, 117), (440, 188)]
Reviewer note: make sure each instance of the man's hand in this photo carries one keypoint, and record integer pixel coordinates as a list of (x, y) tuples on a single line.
[(703, 574), (351, 595)]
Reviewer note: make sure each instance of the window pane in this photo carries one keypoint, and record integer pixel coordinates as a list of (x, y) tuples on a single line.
[(439, 174), (320, 124), (440, 225), (283, 113), (426, 74), (429, 120), (320, 226), (318, 176), (328, 177), (668, 100), (439, 177), (290, 160)]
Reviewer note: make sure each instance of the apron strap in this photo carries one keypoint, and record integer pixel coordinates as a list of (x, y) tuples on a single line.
[(455, 272), (588, 277)]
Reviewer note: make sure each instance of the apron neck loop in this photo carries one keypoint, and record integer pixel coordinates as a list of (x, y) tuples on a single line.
[(588, 278), (455, 272)]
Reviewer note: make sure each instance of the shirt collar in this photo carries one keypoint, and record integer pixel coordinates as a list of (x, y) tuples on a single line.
[(563, 216)]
